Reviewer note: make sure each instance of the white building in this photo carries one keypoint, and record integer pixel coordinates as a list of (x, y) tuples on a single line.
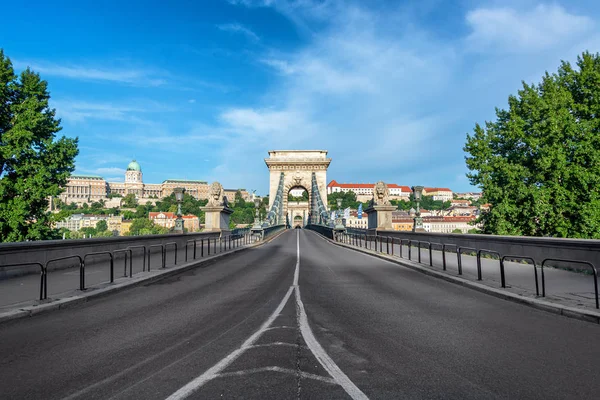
[(364, 191), (443, 194)]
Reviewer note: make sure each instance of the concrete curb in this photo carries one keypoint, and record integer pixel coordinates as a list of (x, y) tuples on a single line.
[(571, 312), (120, 284)]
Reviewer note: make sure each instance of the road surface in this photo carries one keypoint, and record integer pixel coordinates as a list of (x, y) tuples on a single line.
[(299, 318)]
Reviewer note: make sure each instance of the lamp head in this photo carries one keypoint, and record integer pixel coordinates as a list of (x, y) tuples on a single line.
[(256, 202), (339, 203), (179, 193), (417, 191)]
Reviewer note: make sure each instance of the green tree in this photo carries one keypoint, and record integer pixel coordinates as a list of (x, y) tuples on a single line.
[(129, 201), (239, 200), (144, 226), (88, 231), (538, 163), (101, 226), (348, 200), (34, 165)]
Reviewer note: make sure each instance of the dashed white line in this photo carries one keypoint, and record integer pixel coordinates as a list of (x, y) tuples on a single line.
[(212, 372), (315, 347), (279, 369)]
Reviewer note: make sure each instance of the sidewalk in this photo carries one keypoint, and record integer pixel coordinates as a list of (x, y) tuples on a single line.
[(25, 290), (564, 288)]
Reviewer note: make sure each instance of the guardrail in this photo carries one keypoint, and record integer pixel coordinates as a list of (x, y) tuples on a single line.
[(226, 243), (126, 251), (375, 243)]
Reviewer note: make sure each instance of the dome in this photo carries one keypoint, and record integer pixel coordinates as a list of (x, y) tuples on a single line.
[(134, 166)]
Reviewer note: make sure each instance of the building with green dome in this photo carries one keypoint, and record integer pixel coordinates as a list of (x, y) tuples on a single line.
[(88, 188)]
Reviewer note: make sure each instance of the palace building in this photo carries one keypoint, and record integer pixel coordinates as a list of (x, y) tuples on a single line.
[(89, 188)]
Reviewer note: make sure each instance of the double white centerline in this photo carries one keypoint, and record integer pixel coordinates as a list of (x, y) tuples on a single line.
[(315, 347)]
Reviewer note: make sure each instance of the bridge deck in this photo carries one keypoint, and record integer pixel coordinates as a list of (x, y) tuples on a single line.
[(336, 324)]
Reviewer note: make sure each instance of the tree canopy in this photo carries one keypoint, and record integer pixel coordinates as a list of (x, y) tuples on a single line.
[(34, 165), (538, 163)]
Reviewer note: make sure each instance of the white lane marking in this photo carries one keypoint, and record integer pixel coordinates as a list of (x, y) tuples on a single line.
[(315, 347), (321, 355), (278, 369), (254, 346), (211, 373), (280, 327), (297, 271)]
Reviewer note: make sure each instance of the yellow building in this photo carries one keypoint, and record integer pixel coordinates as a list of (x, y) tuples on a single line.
[(125, 226)]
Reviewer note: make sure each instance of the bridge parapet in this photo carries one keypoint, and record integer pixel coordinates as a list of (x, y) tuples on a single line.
[(538, 248), (42, 251)]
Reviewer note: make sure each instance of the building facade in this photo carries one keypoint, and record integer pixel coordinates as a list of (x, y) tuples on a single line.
[(443, 194), (364, 191), (167, 220), (89, 188)]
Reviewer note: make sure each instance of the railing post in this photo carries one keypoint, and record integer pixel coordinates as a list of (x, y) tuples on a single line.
[(419, 250), (410, 250), (459, 260), (387, 245), (81, 274), (443, 256), (430, 258), (112, 269), (479, 265)]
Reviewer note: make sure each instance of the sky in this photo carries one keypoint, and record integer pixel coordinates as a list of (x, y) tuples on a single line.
[(204, 89)]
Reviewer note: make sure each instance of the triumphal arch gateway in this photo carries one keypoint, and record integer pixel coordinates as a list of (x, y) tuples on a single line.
[(298, 169)]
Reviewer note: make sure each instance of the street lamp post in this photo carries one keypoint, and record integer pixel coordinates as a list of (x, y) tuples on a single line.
[(418, 221), (179, 198), (256, 217), (339, 226)]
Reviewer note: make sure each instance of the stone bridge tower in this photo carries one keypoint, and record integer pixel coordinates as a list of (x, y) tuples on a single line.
[(298, 167)]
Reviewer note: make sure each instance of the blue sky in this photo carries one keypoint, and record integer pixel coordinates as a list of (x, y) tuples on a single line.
[(203, 89)]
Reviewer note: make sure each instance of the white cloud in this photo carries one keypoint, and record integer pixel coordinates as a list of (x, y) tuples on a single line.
[(127, 76), (243, 120), (81, 110), (191, 101), (241, 29), (511, 30), (280, 65)]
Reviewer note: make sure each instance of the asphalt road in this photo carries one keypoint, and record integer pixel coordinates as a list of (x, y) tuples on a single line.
[(299, 318)]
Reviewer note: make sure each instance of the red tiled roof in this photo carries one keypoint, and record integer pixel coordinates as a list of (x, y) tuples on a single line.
[(333, 183), (167, 215), (432, 189)]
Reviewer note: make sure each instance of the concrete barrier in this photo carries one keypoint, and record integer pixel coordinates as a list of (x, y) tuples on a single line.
[(45, 250)]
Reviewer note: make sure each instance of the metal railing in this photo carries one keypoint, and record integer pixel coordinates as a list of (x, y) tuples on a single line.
[(227, 243), (563, 260), (126, 251), (43, 277), (100, 253), (376, 243)]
